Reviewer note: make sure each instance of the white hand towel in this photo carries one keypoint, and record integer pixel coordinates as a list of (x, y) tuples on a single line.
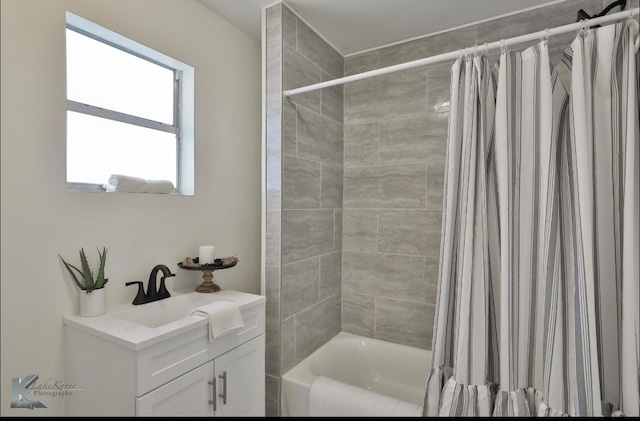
[(158, 186), (224, 317), (332, 398), (125, 183)]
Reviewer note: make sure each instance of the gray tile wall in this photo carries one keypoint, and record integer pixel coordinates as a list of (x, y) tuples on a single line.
[(304, 196), (312, 190), (355, 179)]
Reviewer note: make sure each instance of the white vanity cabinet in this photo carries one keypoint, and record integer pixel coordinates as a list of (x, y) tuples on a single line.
[(230, 385), (171, 370)]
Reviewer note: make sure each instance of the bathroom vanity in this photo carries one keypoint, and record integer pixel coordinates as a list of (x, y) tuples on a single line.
[(156, 359)]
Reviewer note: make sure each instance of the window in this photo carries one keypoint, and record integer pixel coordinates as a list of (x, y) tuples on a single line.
[(129, 110)]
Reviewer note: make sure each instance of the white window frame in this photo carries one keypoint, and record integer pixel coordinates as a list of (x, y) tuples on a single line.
[(184, 90)]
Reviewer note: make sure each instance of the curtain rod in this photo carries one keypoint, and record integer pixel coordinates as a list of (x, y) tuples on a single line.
[(458, 53)]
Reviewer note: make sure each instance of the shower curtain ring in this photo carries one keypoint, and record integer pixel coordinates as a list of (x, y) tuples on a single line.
[(583, 28), (547, 35), (503, 47)]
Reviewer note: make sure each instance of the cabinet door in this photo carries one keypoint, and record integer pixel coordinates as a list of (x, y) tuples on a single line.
[(188, 395), (240, 380)]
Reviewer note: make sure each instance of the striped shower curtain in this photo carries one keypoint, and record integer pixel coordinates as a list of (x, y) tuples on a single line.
[(538, 300)]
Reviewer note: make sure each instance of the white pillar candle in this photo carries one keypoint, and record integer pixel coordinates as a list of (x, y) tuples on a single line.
[(206, 254)]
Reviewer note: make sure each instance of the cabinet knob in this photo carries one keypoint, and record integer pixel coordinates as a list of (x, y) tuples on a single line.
[(223, 395)]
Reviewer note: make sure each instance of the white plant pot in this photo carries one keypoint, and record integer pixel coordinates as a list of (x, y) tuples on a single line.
[(93, 303)]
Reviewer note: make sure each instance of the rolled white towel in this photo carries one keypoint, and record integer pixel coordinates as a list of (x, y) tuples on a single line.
[(158, 186), (125, 183), (332, 398), (131, 184)]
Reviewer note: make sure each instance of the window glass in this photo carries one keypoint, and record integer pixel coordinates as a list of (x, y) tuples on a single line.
[(107, 77), (130, 110), (98, 147)]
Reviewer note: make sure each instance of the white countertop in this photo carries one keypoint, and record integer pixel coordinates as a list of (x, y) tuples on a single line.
[(135, 336)]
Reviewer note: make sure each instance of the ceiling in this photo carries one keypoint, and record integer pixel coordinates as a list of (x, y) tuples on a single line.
[(353, 26)]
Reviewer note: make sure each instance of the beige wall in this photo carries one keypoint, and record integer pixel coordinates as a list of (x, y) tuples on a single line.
[(40, 219)]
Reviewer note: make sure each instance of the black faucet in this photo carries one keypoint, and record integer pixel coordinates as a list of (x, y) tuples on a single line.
[(153, 293)]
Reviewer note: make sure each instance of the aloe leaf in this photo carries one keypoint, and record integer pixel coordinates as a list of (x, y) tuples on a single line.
[(86, 271), (101, 281), (73, 275)]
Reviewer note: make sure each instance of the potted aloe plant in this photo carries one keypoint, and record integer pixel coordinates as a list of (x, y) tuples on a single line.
[(93, 301)]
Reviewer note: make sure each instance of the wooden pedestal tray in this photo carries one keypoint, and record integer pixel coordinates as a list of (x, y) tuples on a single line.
[(207, 273)]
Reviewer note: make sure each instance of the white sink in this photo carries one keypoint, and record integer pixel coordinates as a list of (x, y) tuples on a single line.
[(139, 326), (168, 310)]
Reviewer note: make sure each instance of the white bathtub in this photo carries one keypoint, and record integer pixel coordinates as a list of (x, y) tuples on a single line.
[(390, 369)]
